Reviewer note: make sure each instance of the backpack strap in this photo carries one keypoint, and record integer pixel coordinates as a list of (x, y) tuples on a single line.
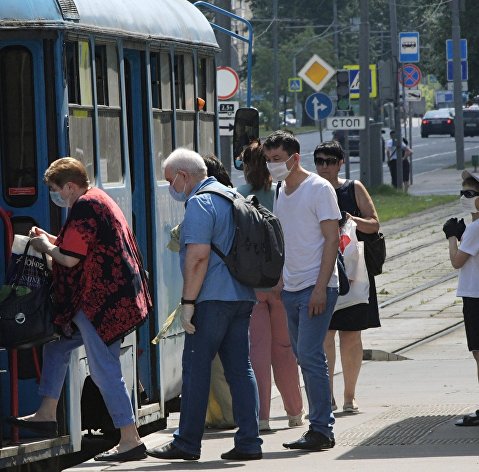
[(278, 186), (226, 196)]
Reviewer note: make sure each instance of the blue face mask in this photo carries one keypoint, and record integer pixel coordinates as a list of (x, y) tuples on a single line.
[(178, 196), (58, 200)]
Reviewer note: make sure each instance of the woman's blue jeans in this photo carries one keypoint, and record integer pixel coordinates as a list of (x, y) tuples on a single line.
[(103, 362), (307, 338), (221, 327)]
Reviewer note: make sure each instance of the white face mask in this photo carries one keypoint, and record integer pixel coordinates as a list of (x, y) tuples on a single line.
[(469, 204), (58, 200), (279, 170)]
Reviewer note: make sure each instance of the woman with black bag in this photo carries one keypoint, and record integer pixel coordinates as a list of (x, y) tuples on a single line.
[(355, 201), (101, 295)]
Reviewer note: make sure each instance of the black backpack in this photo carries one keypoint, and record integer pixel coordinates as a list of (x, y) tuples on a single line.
[(256, 257)]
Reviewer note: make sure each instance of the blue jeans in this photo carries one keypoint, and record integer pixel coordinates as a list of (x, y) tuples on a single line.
[(104, 365), (307, 338), (221, 327)]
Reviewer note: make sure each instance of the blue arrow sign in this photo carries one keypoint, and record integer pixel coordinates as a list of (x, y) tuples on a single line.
[(464, 71), (318, 106), (450, 52)]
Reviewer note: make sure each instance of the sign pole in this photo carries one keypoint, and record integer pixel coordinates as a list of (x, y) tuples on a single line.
[(410, 143)]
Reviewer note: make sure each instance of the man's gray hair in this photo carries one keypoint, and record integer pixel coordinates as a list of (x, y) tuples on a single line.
[(186, 160)]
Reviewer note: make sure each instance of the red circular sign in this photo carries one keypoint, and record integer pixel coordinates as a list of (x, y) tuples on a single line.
[(409, 75), (227, 82)]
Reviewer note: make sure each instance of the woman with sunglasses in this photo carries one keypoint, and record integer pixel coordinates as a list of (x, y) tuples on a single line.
[(270, 346), (464, 255), (355, 202)]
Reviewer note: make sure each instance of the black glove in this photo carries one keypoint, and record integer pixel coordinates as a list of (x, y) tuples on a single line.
[(450, 227), (460, 228)]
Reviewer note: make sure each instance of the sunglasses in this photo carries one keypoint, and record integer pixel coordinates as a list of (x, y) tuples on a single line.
[(469, 193), (319, 161)]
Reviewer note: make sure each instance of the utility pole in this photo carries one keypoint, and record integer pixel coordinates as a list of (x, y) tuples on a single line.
[(456, 64), (364, 145), (395, 78), (275, 67), (335, 37), (224, 59)]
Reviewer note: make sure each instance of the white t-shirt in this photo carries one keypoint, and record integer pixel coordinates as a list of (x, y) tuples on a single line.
[(468, 283), (300, 214), (391, 147)]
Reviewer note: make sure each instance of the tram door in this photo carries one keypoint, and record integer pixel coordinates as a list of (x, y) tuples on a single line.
[(139, 170), (24, 199), (23, 138)]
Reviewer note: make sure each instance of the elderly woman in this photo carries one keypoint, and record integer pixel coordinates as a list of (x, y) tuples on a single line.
[(354, 199), (101, 295)]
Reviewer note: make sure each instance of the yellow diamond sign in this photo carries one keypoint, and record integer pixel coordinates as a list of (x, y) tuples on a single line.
[(316, 73)]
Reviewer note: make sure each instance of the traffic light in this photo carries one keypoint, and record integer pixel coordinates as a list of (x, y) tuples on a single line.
[(342, 90)]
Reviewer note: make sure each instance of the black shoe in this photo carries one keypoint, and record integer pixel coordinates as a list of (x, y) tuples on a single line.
[(48, 429), (135, 454), (312, 441), (170, 451), (235, 455)]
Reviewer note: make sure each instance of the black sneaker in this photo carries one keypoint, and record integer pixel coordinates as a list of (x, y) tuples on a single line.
[(312, 441)]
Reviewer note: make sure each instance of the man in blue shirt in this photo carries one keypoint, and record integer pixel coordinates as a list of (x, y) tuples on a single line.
[(215, 313)]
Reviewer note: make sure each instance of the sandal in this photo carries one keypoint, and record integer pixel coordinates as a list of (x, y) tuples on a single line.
[(469, 420)]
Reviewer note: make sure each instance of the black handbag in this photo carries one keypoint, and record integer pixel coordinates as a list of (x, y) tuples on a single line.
[(343, 278), (374, 251), (26, 313)]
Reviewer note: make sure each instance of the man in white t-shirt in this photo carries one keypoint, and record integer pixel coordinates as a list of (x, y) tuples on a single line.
[(466, 259), (308, 210)]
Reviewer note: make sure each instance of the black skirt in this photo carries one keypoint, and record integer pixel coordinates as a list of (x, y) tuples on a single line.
[(358, 317)]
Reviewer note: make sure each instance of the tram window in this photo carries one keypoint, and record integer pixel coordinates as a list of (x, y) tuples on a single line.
[(79, 81), (109, 113), (180, 81), (17, 126), (162, 140), (165, 81), (190, 99), (160, 80), (101, 75), (202, 77)]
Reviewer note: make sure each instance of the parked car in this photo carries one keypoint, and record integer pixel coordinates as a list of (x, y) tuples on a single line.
[(471, 121), (438, 122)]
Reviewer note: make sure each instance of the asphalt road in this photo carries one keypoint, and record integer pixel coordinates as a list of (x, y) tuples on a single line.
[(435, 152)]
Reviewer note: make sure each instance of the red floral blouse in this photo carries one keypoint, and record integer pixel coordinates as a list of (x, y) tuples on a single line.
[(108, 283)]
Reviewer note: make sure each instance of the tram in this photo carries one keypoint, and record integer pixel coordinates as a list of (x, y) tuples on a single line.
[(115, 84)]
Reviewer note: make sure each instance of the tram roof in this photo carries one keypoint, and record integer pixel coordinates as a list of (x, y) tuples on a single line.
[(176, 20)]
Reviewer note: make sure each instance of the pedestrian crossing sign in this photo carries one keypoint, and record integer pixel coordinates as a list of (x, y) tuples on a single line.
[(295, 84)]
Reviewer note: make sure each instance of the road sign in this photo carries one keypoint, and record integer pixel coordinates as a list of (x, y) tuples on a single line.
[(227, 82), (316, 73), (450, 52), (409, 47), (318, 106), (346, 122), (413, 95), (464, 71), (295, 84), (354, 80), (464, 86), (226, 117), (409, 75)]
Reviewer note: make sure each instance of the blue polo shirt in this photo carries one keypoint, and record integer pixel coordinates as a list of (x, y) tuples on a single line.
[(209, 219)]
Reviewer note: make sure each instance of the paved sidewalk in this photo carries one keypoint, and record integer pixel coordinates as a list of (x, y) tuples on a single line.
[(409, 401)]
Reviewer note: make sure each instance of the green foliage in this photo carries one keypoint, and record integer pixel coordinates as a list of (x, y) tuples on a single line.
[(391, 203)]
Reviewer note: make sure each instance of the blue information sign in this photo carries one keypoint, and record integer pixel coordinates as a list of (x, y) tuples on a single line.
[(409, 47), (318, 106), (450, 53), (464, 71)]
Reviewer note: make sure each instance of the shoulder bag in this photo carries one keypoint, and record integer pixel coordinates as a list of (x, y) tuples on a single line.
[(26, 313)]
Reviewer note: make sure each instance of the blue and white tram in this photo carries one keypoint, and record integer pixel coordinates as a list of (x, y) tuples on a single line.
[(113, 83)]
